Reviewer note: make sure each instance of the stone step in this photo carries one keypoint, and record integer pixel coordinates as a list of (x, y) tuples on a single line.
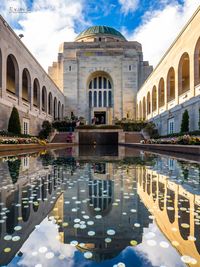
[(63, 137), (133, 137)]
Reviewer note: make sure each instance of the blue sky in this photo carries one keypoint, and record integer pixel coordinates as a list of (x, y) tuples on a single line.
[(45, 24)]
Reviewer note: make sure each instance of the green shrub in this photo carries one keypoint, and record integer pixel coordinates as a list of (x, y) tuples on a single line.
[(101, 126), (46, 130), (14, 122), (64, 126), (150, 128), (185, 122), (131, 126)]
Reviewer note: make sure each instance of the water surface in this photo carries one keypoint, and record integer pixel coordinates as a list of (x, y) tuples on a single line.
[(99, 207)]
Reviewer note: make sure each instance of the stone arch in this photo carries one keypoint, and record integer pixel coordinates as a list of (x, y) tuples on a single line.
[(148, 103), (36, 93), (12, 75), (161, 93), (59, 110), (197, 63), (154, 98), (184, 74), (100, 89), (171, 85), (55, 108), (144, 108), (26, 85), (50, 104), (44, 99)]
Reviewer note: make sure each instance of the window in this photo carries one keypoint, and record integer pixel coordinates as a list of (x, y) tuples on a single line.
[(70, 68), (171, 164), (25, 163), (129, 67), (171, 126), (25, 126), (100, 92)]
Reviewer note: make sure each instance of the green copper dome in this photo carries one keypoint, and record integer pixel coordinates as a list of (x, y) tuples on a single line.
[(100, 30)]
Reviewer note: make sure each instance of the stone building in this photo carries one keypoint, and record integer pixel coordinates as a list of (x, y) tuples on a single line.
[(174, 85), (100, 74), (25, 85)]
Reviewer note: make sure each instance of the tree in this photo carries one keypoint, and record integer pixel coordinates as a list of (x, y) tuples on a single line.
[(14, 167), (14, 125), (185, 122), (46, 130)]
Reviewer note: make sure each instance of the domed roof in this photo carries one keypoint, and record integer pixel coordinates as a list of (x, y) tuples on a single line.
[(100, 30)]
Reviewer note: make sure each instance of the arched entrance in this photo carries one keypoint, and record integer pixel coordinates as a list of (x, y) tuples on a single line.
[(100, 96)]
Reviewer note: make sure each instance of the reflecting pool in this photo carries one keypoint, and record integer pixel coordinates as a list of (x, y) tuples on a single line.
[(96, 207)]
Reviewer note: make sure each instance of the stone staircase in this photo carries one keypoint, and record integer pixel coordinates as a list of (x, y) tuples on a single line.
[(133, 137), (61, 137)]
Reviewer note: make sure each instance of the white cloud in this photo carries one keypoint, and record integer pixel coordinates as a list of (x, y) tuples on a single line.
[(160, 27), (47, 25), (128, 5)]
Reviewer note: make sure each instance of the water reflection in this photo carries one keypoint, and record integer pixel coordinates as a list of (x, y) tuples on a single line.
[(61, 208)]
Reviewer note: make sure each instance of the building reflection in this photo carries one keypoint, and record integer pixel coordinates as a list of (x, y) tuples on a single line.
[(174, 203), (123, 192), (103, 190), (26, 201)]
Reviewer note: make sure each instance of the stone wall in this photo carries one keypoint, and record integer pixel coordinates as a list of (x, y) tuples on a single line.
[(11, 45)]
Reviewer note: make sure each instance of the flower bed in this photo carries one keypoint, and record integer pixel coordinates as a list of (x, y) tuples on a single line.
[(17, 141), (181, 140)]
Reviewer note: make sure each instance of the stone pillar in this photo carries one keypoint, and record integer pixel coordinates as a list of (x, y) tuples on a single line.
[(192, 71), (165, 93), (4, 72), (157, 99), (19, 85), (31, 94)]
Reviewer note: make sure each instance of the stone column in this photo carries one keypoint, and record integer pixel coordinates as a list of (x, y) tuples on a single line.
[(19, 86), (192, 71), (4, 72)]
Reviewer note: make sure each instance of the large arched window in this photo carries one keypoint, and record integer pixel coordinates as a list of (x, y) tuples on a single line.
[(184, 74), (154, 99), (144, 108), (171, 85), (26, 85), (12, 75), (44, 99), (36, 93), (50, 104), (148, 103), (197, 63), (161, 93), (55, 108), (100, 91)]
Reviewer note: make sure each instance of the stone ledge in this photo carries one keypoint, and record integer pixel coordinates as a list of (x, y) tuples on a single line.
[(186, 149), (14, 147)]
